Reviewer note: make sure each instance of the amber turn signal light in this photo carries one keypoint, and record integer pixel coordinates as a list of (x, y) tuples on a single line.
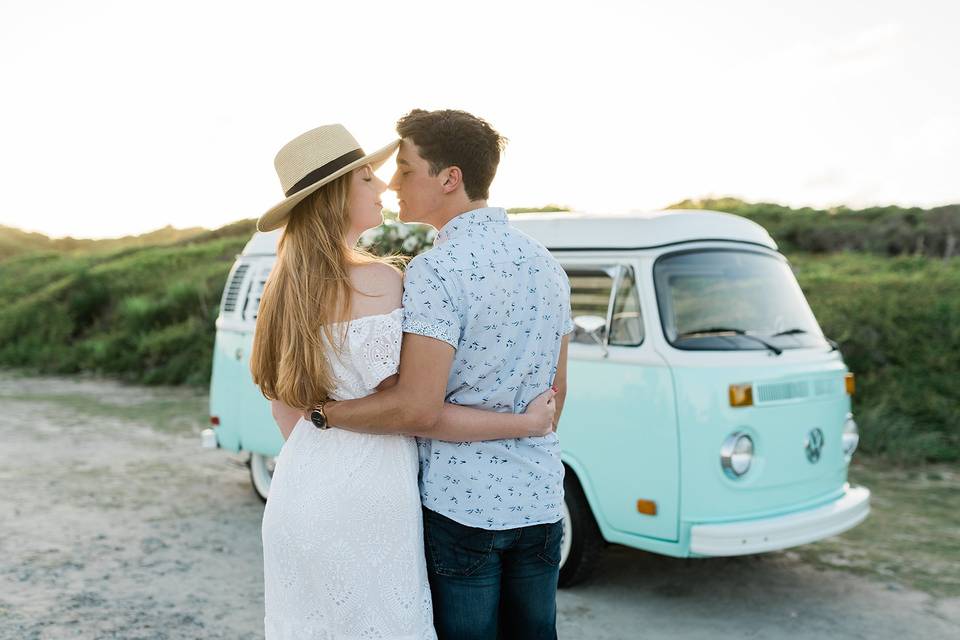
[(647, 507), (741, 395), (850, 382)]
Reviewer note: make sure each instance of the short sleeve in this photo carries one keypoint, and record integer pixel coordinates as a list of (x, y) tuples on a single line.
[(431, 302), (568, 326)]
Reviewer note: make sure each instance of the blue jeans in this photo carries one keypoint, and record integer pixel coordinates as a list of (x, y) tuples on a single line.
[(492, 584)]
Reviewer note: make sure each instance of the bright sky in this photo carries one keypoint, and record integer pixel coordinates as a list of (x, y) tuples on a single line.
[(122, 117)]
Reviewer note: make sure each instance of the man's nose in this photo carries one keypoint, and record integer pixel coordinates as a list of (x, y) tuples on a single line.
[(394, 182)]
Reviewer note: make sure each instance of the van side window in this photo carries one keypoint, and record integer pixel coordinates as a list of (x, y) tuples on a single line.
[(590, 291), (626, 327), (252, 305)]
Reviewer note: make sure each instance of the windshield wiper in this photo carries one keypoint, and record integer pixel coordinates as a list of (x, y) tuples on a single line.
[(719, 331), (834, 346), (789, 332)]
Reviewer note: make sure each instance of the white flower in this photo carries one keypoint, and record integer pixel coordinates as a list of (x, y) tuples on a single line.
[(369, 237), (431, 235), (402, 230), (410, 244)]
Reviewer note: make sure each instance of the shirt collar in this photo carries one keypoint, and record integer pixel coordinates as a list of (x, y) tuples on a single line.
[(464, 222)]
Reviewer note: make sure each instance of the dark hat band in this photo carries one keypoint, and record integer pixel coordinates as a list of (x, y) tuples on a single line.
[(328, 169)]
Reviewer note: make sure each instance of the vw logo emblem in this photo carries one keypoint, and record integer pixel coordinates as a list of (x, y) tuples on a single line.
[(813, 445)]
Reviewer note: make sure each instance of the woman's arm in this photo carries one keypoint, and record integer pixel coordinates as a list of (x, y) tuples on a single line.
[(560, 380), (466, 424), (285, 416)]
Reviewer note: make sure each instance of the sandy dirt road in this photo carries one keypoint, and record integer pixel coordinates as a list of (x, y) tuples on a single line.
[(115, 524)]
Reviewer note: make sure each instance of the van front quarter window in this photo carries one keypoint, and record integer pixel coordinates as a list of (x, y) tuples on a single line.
[(592, 294)]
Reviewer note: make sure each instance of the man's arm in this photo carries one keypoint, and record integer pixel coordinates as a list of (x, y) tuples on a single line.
[(413, 404)]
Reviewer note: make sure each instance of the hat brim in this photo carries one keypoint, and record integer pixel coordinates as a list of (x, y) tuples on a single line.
[(277, 216)]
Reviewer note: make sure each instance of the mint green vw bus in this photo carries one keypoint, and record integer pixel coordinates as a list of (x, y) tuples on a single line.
[(707, 414)]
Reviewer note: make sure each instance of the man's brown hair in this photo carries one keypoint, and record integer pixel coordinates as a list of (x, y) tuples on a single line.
[(448, 138)]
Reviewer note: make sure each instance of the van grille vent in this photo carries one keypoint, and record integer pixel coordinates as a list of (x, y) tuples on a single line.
[(773, 392), (233, 289), (778, 392), (827, 386)]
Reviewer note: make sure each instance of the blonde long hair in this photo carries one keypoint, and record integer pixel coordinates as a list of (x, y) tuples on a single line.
[(308, 290)]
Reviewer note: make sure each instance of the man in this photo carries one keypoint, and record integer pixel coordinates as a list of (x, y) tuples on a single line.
[(486, 324)]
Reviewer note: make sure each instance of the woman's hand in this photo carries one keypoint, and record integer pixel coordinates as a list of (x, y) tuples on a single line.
[(541, 412)]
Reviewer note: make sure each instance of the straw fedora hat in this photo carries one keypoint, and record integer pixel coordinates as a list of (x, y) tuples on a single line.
[(313, 159)]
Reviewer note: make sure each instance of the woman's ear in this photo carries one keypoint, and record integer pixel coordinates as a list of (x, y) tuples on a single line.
[(452, 180)]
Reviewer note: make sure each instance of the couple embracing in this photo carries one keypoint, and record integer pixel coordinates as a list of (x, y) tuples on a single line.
[(419, 491)]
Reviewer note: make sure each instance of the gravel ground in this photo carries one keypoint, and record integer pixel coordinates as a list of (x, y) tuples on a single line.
[(115, 524)]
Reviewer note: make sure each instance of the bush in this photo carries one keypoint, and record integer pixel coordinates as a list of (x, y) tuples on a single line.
[(898, 324), (398, 238), (144, 314), (891, 231)]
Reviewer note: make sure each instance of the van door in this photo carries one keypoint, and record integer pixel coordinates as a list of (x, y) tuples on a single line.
[(229, 375), (619, 429)]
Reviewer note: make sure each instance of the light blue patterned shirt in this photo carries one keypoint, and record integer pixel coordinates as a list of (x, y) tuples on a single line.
[(503, 302)]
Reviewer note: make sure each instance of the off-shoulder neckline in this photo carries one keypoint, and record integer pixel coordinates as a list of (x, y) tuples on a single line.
[(361, 318)]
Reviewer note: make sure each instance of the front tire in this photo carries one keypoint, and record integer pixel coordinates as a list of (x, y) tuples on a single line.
[(582, 542), (261, 473)]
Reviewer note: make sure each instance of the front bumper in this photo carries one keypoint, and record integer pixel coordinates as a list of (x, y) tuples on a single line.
[(770, 534)]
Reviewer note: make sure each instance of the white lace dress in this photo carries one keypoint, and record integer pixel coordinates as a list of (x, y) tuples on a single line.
[(342, 531)]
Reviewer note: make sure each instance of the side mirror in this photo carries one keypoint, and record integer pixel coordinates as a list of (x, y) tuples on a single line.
[(593, 326)]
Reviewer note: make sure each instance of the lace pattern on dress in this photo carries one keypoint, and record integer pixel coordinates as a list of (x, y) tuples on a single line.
[(342, 531)]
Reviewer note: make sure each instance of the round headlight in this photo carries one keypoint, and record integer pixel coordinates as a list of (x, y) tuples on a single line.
[(851, 436), (736, 454)]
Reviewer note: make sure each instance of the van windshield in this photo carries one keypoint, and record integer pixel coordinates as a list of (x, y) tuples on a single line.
[(722, 299)]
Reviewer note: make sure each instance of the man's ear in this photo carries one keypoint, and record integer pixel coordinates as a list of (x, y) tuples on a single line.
[(452, 180)]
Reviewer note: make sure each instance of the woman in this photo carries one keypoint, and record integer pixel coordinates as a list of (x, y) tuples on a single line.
[(342, 531)]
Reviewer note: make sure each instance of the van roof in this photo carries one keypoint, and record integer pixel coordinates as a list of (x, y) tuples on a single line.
[(577, 230), (582, 231)]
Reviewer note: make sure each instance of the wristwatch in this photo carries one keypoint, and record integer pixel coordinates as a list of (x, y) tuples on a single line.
[(318, 417)]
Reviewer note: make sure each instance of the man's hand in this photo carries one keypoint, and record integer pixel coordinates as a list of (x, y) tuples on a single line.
[(541, 412)]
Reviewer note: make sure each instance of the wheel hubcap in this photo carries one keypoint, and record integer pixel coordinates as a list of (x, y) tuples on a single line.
[(567, 539), (261, 470)]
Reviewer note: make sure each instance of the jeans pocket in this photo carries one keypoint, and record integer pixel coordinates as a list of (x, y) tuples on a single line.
[(455, 549), (553, 536)]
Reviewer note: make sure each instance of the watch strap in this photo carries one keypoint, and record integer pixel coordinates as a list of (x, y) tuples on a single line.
[(319, 409)]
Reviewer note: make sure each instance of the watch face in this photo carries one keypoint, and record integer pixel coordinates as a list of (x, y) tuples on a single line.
[(318, 419)]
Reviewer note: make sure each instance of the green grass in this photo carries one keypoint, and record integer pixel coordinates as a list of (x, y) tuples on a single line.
[(911, 536), (143, 314), (178, 410)]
